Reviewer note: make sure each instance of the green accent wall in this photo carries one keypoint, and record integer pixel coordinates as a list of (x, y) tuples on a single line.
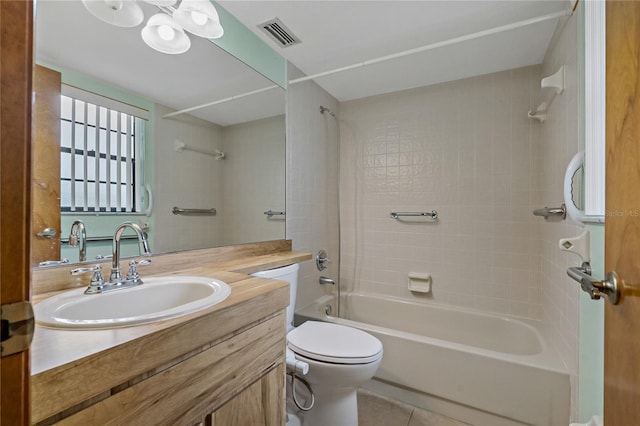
[(242, 43), (81, 81), (591, 315), (591, 361)]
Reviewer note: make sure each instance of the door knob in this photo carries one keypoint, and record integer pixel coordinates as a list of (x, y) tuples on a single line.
[(47, 233), (609, 287)]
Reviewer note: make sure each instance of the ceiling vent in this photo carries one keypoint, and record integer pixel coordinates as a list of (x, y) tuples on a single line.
[(278, 32)]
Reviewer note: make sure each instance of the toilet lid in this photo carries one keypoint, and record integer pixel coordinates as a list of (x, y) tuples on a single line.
[(334, 343)]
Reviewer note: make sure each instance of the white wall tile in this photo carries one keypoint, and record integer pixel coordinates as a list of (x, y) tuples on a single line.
[(559, 139), (312, 182), (468, 157)]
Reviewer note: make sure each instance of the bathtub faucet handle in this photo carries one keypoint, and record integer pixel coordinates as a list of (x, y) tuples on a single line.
[(322, 261)]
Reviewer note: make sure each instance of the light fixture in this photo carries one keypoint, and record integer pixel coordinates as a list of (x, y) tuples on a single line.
[(199, 18), (164, 31), (121, 13), (163, 34)]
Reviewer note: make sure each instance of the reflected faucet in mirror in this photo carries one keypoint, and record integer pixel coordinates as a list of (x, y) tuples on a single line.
[(79, 240)]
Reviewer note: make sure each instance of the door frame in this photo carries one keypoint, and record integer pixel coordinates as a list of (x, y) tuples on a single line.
[(16, 57)]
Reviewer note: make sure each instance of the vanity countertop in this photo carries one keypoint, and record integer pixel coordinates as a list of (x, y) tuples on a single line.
[(61, 359)]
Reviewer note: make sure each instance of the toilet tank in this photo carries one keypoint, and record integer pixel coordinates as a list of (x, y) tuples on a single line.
[(290, 275)]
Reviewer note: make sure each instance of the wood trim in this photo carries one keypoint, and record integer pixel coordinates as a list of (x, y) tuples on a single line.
[(46, 164), (16, 59), (622, 227)]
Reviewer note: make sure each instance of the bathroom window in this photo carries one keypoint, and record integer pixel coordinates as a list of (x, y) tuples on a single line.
[(101, 146)]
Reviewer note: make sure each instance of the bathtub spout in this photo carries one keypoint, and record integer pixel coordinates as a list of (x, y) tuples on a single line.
[(325, 280)]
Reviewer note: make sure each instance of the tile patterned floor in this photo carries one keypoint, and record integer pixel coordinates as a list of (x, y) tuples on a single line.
[(376, 410)]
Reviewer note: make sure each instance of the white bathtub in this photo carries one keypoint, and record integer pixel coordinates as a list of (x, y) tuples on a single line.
[(479, 368)]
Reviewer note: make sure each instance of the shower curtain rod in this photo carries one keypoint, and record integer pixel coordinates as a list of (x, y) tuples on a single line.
[(432, 46), (219, 101)]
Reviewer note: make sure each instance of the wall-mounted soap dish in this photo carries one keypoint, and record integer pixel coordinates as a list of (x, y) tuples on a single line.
[(419, 282)]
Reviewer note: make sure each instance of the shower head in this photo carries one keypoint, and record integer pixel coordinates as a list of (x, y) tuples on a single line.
[(324, 109)]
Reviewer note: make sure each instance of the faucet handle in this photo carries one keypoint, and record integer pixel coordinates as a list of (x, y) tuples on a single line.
[(322, 261), (133, 274), (96, 278)]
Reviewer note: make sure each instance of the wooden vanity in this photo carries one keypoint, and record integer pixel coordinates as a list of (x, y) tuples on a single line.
[(220, 366)]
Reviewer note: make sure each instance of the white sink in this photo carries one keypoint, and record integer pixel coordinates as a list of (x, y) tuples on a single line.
[(158, 298)]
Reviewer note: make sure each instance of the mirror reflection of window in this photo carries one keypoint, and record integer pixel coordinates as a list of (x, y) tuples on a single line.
[(100, 153)]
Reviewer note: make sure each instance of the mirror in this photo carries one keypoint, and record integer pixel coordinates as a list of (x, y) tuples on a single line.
[(228, 156)]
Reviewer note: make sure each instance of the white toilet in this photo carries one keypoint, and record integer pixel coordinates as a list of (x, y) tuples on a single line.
[(339, 359)]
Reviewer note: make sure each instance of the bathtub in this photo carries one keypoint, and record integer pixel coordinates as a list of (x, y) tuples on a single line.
[(479, 368)]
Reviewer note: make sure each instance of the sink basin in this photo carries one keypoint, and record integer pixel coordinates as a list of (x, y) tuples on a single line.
[(158, 298)]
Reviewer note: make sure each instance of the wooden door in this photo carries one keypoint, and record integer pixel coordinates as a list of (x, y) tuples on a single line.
[(16, 38), (622, 229), (46, 164)]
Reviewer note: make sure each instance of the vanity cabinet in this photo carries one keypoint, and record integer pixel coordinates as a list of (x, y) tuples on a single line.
[(221, 366), (259, 404), (238, 381)]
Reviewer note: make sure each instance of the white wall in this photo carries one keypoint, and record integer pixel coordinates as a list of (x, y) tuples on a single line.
[(312, 182), (466, 149), (253, 181)]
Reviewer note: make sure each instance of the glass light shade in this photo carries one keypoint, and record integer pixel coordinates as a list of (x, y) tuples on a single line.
[(163, 34), (121, 13), (199, 17)]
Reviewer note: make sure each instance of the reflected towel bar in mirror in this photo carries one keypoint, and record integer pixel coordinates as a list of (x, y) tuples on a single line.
[(432, 215), (271, 213), (107, 237), (193, 212)]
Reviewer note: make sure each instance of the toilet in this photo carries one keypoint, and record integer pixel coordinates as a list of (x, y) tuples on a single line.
[(332, 359)]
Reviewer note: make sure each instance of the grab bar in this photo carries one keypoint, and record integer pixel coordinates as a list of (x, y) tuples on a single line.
[(271, 213), (193, 212), (552, 214), (433, 215)]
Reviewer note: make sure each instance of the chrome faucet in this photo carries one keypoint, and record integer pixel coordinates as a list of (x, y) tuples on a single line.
[(98, 284), (79, 240), (116, 277)]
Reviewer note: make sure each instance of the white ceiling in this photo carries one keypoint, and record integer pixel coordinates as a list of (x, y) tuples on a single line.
[(335, 34), (68, 36)]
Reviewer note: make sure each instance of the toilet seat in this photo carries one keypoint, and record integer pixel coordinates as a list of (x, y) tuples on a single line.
[(334, 343)]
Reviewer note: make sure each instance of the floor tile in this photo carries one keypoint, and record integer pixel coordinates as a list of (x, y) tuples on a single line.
[(374, 410), (426, 418)]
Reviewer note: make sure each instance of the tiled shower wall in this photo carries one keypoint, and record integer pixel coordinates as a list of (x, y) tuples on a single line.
[(312, 182), (468, 150), (560, 141)]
